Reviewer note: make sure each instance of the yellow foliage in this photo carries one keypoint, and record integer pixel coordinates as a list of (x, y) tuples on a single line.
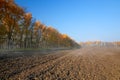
[(64, 35)]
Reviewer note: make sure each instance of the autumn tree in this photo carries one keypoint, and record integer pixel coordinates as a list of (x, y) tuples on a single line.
[(10, 14), (39, 29), (20, 27), (26, 26)]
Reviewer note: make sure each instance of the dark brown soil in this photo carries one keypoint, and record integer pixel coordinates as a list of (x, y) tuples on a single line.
[(89, 63)]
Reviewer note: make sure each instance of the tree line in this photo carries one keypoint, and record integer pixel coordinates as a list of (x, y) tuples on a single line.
[(18, 28), (100, 43)]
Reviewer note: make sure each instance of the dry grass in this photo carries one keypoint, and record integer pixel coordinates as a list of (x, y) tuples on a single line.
[(90, 63)]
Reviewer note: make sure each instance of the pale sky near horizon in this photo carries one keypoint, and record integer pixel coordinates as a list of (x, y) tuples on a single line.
[(82, 20)]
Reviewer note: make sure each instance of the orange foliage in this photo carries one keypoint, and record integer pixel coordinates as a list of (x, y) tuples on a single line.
[(39, 25), (15, 20), (64, 36)]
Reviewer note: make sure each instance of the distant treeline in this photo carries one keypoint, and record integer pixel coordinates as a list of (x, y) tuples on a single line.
[(100, 43), (19, 29)]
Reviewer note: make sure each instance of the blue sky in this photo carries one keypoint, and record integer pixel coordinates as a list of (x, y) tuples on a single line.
[(82, 20)]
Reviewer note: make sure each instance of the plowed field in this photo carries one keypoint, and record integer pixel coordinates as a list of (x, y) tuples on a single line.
[(89, 63)]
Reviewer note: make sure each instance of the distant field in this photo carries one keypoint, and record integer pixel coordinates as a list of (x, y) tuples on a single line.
[(88, 63)]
